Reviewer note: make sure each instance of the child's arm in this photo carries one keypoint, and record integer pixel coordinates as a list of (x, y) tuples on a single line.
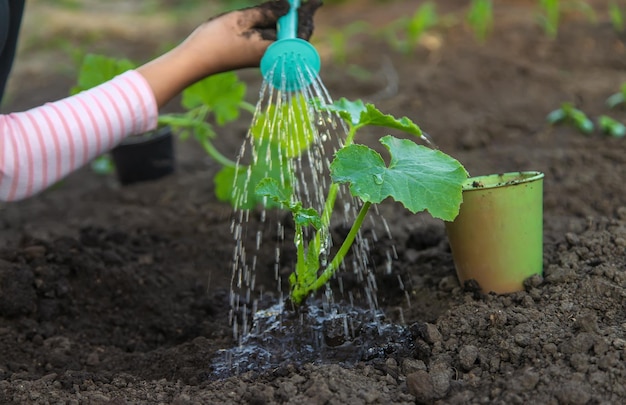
[(38, 147)]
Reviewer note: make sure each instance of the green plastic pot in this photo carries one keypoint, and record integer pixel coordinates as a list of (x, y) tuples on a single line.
[(497, 238)]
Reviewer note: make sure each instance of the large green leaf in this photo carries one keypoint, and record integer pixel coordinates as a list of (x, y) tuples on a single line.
[(418, 177), (288, 126), (97, 69), (222, 93)]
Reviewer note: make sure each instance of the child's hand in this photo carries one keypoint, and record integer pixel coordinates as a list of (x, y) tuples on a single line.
[(239, 39), (230, 41)]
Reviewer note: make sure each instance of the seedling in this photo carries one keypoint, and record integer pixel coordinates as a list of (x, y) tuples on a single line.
[(551, 11), (550, 16), (404, 34), (480, 18), (568, 114), (617, 98), (617, 16), (420, 178), (611, 127), (339, 40)]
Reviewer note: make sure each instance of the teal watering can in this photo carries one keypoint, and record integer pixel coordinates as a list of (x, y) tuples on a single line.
[(290, 62)]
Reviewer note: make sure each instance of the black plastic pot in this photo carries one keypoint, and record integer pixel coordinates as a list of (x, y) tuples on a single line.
[(145, 157)]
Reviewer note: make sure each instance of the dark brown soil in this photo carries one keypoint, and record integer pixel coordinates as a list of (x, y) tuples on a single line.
[(121, 295)]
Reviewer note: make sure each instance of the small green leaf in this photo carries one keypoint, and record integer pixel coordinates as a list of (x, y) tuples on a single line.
[(418, 177), (103, 165), (480, 18), (617, 98), (222, 93), (551, 15), (584, 124), (273, 189), (556, 116), (616, 16), (349, 111), (308, 216), (280, 194), (568, 114), (611, 127), (424, 18)]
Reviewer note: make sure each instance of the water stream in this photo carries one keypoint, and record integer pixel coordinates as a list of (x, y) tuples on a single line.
[(307, 155)]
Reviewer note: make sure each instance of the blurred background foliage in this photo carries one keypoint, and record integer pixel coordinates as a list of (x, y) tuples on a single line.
[(57, 34)]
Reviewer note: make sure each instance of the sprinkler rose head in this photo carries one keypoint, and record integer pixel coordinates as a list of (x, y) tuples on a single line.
[(291, 63)]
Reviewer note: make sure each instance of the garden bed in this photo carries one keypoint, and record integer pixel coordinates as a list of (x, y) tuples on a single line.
[(122, 294)]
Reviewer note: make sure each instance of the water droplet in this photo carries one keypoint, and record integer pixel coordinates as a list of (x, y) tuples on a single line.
[(378, 179)]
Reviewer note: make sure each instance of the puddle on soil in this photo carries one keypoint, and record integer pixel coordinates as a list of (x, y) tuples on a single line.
[(314, 334)]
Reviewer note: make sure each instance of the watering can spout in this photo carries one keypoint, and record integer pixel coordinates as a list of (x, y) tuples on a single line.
[(290, 63)]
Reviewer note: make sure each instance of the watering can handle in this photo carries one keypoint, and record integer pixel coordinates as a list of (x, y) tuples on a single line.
[(288, 24)]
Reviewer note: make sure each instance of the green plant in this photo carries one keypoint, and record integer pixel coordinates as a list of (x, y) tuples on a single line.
[(568, 114), (404, 34), (552, 10), (617, 16), (480, 18), (550, 16), (618, 98), (611, 127), (220, 98), (418, 177)]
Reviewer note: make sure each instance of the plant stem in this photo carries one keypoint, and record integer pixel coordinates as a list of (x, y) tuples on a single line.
[(300, 292), (299, 240), (215, 154), (248, 107), (343, 250)]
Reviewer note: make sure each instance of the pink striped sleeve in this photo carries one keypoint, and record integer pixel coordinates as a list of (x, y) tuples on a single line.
[(38, 147)]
